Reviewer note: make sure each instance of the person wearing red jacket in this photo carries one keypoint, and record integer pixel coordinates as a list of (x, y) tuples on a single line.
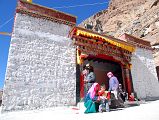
[(104, 99)]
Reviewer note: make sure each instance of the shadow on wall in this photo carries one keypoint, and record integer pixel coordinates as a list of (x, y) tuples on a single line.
[(144, 77), (157, 70), (1, 93)]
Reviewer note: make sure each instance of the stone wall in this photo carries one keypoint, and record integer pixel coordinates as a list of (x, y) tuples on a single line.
[(144, 75), (136, 17), (41, 70)]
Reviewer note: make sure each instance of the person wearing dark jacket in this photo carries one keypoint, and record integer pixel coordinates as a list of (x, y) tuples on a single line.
[(90, 78)]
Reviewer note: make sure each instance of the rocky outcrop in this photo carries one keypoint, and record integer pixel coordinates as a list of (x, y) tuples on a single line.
[(139, 18)]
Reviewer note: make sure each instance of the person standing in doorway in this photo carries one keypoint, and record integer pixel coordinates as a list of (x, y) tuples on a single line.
[(90, 78), (113, 84), (83, 76)]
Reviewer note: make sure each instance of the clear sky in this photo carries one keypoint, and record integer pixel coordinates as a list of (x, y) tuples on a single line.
[(83, 9)]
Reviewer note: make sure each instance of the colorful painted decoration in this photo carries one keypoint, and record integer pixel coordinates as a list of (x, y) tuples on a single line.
[(29, 1), (96, 36)]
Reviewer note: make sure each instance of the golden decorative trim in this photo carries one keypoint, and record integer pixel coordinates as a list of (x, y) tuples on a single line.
[(118, 44)]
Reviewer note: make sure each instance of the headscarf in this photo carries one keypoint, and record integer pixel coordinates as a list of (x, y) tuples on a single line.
[(93, 89), (110, 73)]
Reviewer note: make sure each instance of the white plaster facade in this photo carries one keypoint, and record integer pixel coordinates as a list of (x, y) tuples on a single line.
[(144, 76), (41, 70)]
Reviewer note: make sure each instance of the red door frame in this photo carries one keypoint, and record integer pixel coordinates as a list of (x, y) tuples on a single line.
[(127, 80)]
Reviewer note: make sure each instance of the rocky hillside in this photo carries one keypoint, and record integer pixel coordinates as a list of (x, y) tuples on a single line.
[(136, 17)]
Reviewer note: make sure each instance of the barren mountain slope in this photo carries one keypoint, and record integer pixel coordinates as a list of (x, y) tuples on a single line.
[(136, 17)]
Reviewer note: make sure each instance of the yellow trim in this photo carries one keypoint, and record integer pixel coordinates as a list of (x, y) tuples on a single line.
[(5, 33), (122, 45), (130, 66), (29, 1), (79, 61)]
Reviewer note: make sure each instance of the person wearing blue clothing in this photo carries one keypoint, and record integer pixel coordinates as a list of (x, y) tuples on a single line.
[(113, 84)]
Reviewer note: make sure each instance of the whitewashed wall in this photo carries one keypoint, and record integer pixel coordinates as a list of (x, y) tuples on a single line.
[(41, 70), (144, 74)]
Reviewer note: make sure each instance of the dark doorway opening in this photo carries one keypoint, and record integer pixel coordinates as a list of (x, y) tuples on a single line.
[(102, 67)]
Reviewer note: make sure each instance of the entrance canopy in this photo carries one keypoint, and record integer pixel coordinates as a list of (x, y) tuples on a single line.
[(119, 43), (92, 43)]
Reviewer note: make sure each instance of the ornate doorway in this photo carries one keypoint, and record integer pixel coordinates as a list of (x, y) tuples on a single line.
[(94, 47)]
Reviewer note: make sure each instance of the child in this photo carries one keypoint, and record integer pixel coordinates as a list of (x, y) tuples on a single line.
[(104, 99)]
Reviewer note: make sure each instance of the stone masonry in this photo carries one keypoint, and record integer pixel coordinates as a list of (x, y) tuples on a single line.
[(41, 70), (144, 77)]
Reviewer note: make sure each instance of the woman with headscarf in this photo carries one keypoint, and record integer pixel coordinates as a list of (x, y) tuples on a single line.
[(92, 99), (114, 88), (113, 84)]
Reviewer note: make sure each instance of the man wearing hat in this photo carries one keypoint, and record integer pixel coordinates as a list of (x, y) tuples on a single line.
[(90, 78), (113, 84)]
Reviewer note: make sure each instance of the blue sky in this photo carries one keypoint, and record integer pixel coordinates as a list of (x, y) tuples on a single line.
[(7, 11)]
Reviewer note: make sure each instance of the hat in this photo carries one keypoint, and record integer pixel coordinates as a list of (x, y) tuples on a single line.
[(109, 73), (88, 65)]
